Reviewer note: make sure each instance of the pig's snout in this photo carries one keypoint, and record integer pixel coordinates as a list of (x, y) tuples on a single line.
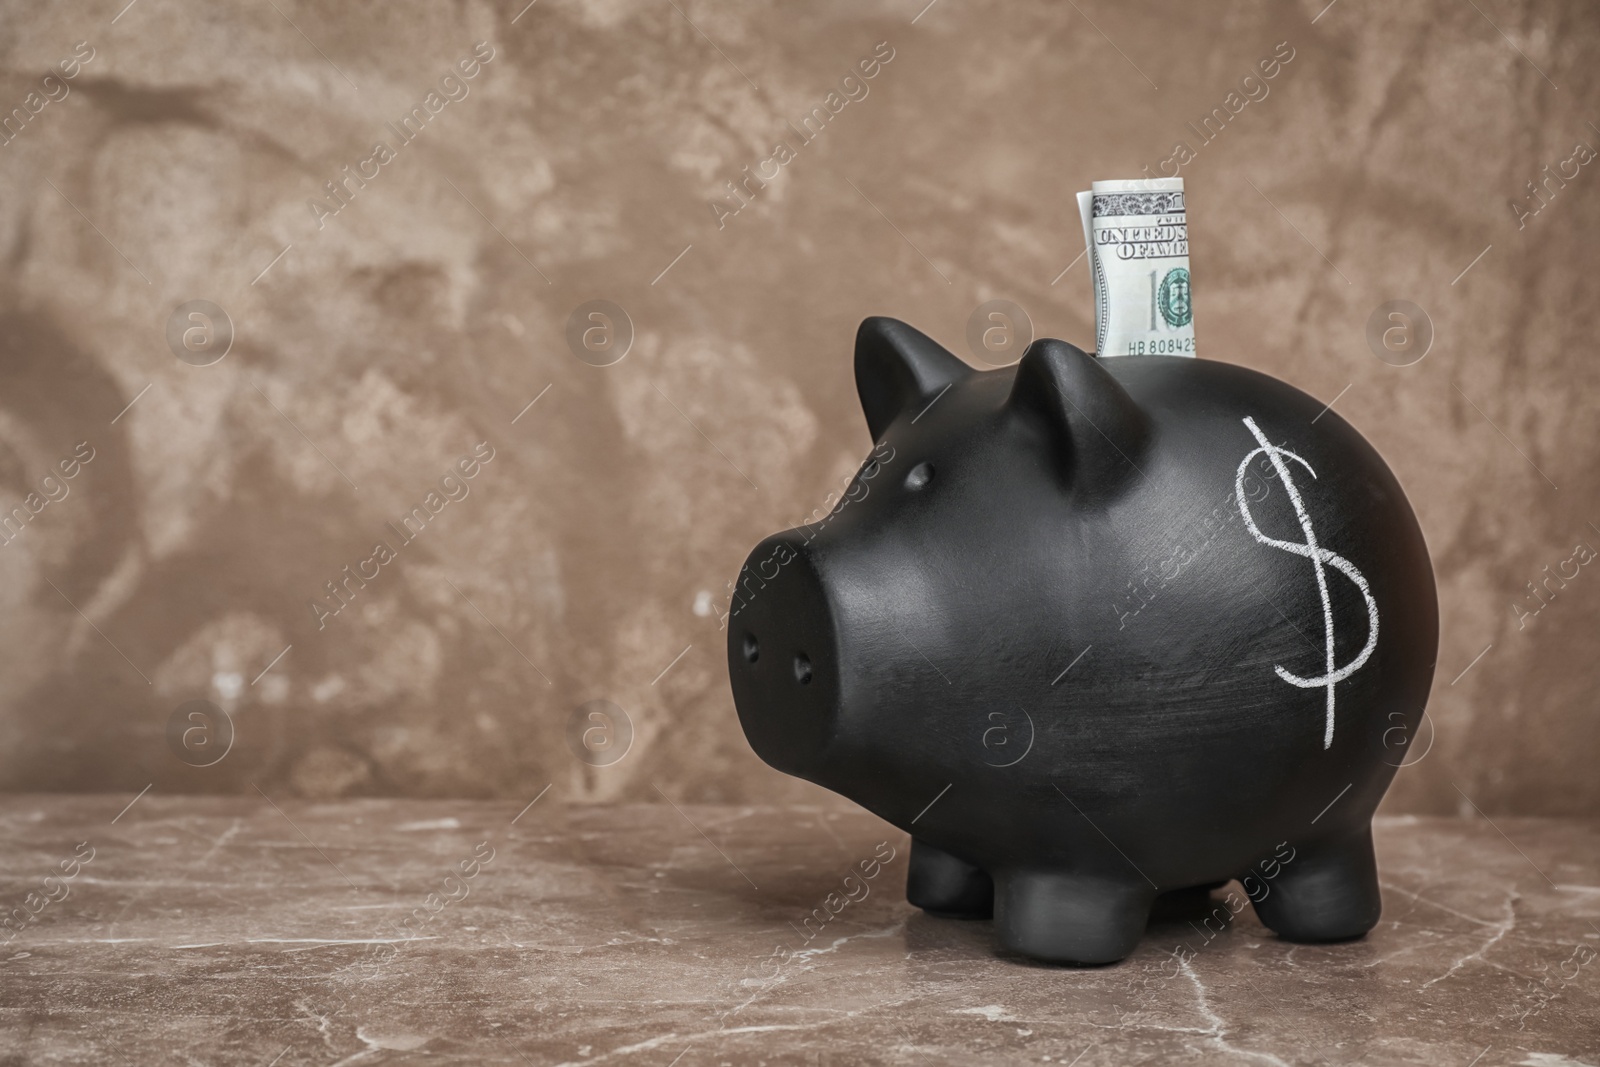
[(782, 655)]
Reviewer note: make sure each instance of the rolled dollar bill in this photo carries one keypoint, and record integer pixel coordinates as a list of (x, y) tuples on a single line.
[(1137, 236)]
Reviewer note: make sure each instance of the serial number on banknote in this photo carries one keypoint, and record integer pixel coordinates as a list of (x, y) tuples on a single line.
[(1161, 346)]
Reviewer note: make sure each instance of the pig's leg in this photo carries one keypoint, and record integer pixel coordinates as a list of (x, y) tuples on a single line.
[(943, 885), (1064, 917), (1328, 891)]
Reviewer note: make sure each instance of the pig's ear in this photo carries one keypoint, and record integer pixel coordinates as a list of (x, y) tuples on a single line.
[(898, 366), (1097, 432)]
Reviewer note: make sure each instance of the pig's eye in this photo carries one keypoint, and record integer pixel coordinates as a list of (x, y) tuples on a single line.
[(802, 668), (920, 476), (752, 648)]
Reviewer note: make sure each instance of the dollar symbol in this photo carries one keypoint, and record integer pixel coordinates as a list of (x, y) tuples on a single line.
[(1321, 558)]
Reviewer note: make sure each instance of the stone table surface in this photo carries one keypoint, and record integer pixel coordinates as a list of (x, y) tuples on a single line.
[(241, 930)]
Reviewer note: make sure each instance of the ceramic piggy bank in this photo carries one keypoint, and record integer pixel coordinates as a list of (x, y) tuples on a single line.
[(1093, 630)]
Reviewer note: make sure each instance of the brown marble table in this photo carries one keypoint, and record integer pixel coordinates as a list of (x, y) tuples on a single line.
[(241, 930)]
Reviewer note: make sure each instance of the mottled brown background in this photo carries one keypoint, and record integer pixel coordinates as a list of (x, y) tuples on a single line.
[(596, 546)]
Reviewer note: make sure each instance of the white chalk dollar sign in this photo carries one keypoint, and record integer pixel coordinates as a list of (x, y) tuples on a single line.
[(1321, 559)]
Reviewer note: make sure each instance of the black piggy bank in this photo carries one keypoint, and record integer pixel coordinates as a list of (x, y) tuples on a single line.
[(1093, 630)]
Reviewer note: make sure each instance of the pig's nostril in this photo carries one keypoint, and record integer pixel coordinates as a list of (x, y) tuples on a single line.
[(802, 669), (752, 648), (920, 476)]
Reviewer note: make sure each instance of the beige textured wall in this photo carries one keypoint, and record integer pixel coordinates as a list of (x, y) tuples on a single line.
[(394, 336)]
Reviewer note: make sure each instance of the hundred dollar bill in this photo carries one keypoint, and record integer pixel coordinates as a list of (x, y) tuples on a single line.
[(1137, 235)]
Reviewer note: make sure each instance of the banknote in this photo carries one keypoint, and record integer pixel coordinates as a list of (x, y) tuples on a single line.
[(1137, 236)]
